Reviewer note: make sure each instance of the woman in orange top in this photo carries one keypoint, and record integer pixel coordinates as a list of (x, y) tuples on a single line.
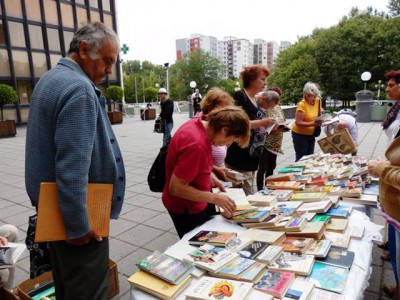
[(303, 129)]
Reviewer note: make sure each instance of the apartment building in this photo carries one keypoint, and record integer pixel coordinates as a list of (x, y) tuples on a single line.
[(35, 34)]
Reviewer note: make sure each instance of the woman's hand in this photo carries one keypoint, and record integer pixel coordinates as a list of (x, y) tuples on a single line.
[(3, 241), (226, 203), (268, 122), (220, 172)]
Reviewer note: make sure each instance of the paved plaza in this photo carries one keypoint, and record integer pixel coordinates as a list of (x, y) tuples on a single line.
[(144, 225)]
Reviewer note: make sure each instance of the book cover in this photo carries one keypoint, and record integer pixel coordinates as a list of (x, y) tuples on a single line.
[(262, 200), (313, 230), (288, 207), (320, 180), (285, 185), (321, 218), (283, 195), (251, 216), (371, 189), (253, 273), (253, 250), (238, 243), (365, 199), (217, 288), (238, 196), (353, 193), (300, 264), (340, 211), (270, 254), (296, 244), (340, 240), (296, 224), (156, 286), (280, 177), (271, 220), (275, 283), (317, 207), (217, 238), (338, 257), (304, 214), (329, 277), (308, 197), (10, 254), (319, 248), (299, 290), (302, 178), (50, 225), (233, 269), (318, 294), (337, 225), (166, 267), (294, 169), (271, 237)]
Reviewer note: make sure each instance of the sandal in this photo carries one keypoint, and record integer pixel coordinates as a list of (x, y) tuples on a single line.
[(384, 245), (390, 290), (385, 256)]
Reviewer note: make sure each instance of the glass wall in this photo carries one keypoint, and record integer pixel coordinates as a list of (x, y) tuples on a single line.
[(94, 3), (33, 10), (81, 16), (4, 63), (106, 5), (13, 8), (2, 37), (67, 15), (108, 20), (54, 39), (39, 63), (36, 37), (24, 89), (50, 10), (16, 34), (68, 35), (94, 16), (54, 58), (21, 63)]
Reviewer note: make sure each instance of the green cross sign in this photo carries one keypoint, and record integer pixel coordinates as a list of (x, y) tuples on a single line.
[(125, 48)]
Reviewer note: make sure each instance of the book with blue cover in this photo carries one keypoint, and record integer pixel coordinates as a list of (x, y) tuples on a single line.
[(329, 277), (339, 211)]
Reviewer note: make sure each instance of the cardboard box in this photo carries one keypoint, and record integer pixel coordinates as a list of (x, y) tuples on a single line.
[(28, 285), (7, 295)]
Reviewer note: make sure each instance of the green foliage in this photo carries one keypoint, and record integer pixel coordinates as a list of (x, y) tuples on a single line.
[(114, 92), (7, 94), (150, 93), (394, 8)]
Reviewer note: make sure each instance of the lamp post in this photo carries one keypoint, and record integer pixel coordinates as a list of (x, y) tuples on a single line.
[(365, 77), (379, 86), (166, 65), (193, 85), (237, 86)]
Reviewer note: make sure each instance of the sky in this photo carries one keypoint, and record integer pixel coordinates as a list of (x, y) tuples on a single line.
[(150, 27)]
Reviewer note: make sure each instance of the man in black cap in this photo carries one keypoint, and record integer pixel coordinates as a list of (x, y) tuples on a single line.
[(167, 109)]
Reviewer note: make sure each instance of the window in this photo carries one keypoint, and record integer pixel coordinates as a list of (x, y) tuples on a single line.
[(106, 5), (68, 35), (67, 16), (21, 63), (33, 10), (39, 63), (24, 89), (17, 34), (4, 63), (108, 20), (94, 3), (54, 58), (54, 39), (95, 16), (13, 8), (82, 16), (2, 36), (50, 10), (80, 2), (36, 37)]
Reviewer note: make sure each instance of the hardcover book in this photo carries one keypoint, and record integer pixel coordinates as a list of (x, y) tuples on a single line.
[(270, 254), (156, 286), (319, 248), (253, 250), (338, 257), (271, 237), (216, 238), (218, 288), (300, 264), (166, 267), (275, 283), (340, 240), (299, 290), (329, 277)]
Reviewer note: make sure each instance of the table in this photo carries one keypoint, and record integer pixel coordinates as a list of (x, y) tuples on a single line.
[(357, 280)]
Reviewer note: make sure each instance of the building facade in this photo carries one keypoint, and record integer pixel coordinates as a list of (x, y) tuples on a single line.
[(35, 34)]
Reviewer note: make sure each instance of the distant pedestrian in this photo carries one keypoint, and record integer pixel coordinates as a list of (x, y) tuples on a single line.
[(196, 100), (167, 109)]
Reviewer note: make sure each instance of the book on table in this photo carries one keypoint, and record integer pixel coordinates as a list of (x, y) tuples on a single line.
[(371, 189), (364, 199), (319, 248), (341, 211), (253, 250), (253, 273), (340, 240), (337, 225), (262, 200), (338, 257), (299, 290), (308, 197), (275, 283), (271, 237), (217, 288), (270, 254), (155, 286), (285, 185), (288, 207), (289, 223), (271, 220), (352, 193), (318, 294), (301, 178), (321, 218), (304, 214), (166, 267), (238, 243), (329, 277), (280, 177), (10, 254), (50, 225), (300, 264), (237, 195), (356, 232), (313, 189), (213, 237), (313, 230), (252, 216), (296, 244), (210, 258), (283, 195), (317, 207), (294, 169), (320, 180), (235, 268)]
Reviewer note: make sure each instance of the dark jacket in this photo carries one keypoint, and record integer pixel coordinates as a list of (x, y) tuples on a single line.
[(167, 109)]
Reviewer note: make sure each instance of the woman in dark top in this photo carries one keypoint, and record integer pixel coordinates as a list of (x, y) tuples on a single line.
[(246, 160)]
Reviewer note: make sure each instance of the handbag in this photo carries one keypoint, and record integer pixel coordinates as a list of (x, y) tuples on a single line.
[(339, 142), (156, 177), (257, 145), (317, 129), (159, 125)]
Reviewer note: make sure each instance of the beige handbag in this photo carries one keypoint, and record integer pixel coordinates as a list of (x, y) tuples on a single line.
[(339, 142)]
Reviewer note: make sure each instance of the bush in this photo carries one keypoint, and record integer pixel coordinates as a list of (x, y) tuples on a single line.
[(114, 92), (7, 96)]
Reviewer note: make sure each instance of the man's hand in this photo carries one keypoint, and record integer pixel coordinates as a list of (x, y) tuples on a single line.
[(3, 241), (220, 172), (85, 239), (226, 203), (215, 182)]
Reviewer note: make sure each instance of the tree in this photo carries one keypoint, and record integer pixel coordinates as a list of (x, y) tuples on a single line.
[(114, 92), (7, 96), (394, 8)]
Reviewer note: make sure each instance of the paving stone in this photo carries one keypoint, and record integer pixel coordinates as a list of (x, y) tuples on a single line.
[(140, 235)]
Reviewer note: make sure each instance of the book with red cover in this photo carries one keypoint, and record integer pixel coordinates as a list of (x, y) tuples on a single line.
[(321, 180), (275, 283)]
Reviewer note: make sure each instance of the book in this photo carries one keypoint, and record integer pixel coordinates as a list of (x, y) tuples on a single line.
[(319, 248), (338, 257), (238, 243), (251, 216), (312, 189), (216, 288), (234, 175), (365, 199), (313, 230), (302, 178), (271, 237), (237, 195), (304, 214), (253, 273), (321, 218), (317, 207), (353, 193), (285, 185), (320, 180), (280, 177), (233, 269), (300, 264), (318, 294), (308, 197), (289, 223), (299, 290), (271, 220), (210, 258), (10, 254), (337, 225), (324, 117), (156, 286), (50, 225), (296, 244), (293, 169), (340, 240), (262, 200), (329, 277), (288, 207), (213, 237), (253, 250), (270, 254), (283, 195), (371, 189), (284, 127), (341, 211), (275, 283), (165, 267), (355, 231)]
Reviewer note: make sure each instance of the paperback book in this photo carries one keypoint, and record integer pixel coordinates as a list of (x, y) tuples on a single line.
[(236, 267), (253, 273), (262, 200), (238, 243), (275, 283), (340, 240), (329, 277), (321, 218), (313, 230), (317, 207), (299, 290), (308, 197), (216, 238), (288, 207), (300, 264), (271, 237), (319, 248), (270, 221), (285, 185), (252, 216), (338, 257), (337, 225), (296, 244), (364, 199), (269, 255), (10, 254), (340, 211), (253, 250)]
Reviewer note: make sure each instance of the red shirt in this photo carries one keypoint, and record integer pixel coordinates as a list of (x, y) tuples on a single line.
[(190, 159)]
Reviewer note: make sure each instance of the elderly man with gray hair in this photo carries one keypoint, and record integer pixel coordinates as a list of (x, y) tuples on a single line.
[(70, 141), (269, 101)]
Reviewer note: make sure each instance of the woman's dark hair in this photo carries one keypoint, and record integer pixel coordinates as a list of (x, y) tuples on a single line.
[(393, 74)]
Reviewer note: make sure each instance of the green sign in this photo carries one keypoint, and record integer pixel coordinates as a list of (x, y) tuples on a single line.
[(125, 48)]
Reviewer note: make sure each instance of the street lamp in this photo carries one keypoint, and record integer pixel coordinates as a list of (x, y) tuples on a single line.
[(379, 86), (157, 87), (365, 77), (237, 87), (166, 65), (193, 85)]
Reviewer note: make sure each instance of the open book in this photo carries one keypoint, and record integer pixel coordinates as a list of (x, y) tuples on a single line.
[(282, 126), (10, 254)]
